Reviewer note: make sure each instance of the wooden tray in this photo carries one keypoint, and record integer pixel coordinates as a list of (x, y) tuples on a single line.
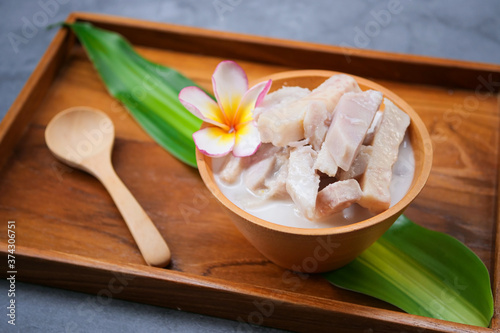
[(70, 235)]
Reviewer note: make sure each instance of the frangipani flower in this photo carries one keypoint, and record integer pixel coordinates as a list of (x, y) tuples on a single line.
[(230, 123)]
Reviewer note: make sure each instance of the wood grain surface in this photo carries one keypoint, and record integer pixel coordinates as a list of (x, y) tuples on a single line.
[(70, 234)]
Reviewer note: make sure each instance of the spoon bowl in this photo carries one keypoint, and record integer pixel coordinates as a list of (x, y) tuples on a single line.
[(78, 134), (83, 138)]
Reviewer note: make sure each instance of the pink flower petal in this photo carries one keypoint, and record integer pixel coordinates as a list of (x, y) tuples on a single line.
[(202, 106), (247, 140), (251, 99), (214, 141), (230, 83), (264, 91)]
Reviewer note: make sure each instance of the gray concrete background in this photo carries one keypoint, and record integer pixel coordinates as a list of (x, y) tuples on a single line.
[(467, 30)]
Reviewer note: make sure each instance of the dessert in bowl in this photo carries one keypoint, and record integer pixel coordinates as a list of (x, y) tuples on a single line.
[(323, 247)]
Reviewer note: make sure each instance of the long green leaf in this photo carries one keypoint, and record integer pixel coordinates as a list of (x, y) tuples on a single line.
[(149, 91), (423, 272)]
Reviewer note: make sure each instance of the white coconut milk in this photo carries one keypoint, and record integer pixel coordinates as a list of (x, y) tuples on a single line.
[(283, 211)]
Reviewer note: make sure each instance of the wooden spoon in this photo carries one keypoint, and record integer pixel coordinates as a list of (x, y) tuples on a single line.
[(83, 137)]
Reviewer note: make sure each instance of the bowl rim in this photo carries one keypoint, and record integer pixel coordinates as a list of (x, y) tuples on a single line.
[(205, 169)]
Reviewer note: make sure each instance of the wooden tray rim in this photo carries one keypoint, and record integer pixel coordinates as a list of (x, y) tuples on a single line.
[(19, 116)]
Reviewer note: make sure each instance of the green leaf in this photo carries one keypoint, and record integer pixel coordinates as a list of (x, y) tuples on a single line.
[(149, 91), (423, 272)]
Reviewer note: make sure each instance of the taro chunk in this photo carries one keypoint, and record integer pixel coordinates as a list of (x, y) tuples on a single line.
[(325, 162), (359, 164), (336, 197), (260, 166), (231, 169), (373, 128), (276, 183), (285, 124), (317, 120), (302, 182), (316, 123), (332, 89), (376, 181), (352, 118), (279, 98)]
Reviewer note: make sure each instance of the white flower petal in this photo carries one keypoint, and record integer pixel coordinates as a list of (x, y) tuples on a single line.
[(230, 83), (202, 106), (250, 100), (214, 141), (247, 140)]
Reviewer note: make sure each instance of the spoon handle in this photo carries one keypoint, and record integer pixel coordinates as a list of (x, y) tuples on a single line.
[(153, 247)]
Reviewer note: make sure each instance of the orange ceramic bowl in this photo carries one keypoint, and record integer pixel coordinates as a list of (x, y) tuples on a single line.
[(325, 249)]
